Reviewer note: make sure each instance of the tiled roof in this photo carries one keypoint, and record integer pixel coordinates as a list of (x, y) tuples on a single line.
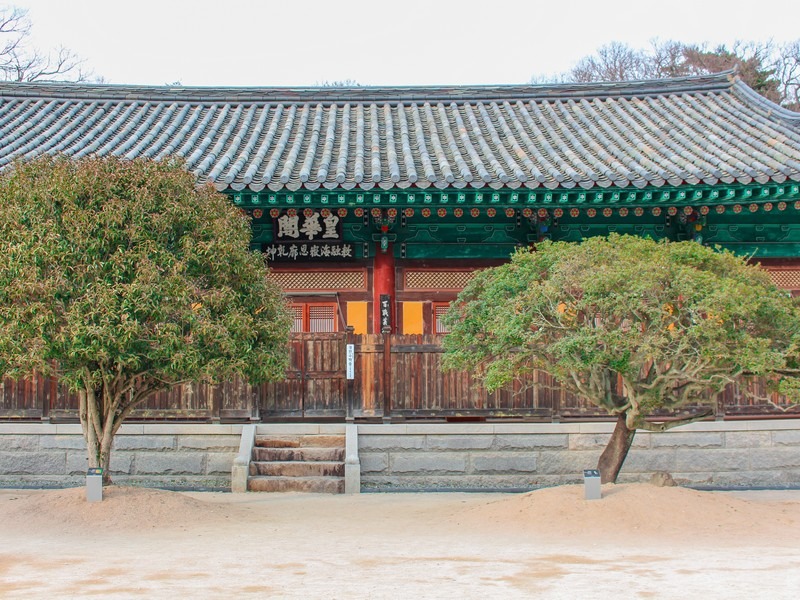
[(680, 131)]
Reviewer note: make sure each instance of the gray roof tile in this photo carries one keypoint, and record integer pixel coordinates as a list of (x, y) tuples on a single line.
[(681, 131)]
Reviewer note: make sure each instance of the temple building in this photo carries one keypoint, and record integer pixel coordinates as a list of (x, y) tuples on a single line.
[(374, 206)]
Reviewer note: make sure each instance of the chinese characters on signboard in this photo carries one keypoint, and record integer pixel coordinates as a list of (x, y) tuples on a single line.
[(308, 235), (386, 314)]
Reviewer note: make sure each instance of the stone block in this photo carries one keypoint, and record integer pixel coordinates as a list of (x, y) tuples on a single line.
[(212, 443), (178, 482), (24, 443), (707, 461), (449, 429), (374, 462), (458, 442), (465, 483), (773, 458), (588, 441), (529, 442), (144, 442), (436, 462), (511, 462), (218, 463), (24, 428), (32, 463), (649, 461), (750, 479), (168, 463), (789, 437), (567, 463), (62, 442), (78, 463), (687, 440), (747, 439), (391, 442)]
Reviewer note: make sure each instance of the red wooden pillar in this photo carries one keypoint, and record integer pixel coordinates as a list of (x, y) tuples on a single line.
[(383, 284)]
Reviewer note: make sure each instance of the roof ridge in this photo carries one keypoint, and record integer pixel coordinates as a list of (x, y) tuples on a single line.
[(369, 94), (753, 97)]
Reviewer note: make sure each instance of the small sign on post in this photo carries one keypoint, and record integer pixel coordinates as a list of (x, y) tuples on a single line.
[(94, 485), (350, 361), (591, 484)]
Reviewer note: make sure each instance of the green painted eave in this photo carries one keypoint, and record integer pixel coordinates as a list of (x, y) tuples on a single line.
[(561, 197)]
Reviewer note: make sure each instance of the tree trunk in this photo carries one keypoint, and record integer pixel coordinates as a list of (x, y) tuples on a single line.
[(616, 450), (98, 431)]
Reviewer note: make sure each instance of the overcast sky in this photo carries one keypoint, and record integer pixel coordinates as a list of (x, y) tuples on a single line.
[(374, 42)]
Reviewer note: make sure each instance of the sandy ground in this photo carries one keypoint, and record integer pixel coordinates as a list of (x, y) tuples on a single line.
[(639, 541)]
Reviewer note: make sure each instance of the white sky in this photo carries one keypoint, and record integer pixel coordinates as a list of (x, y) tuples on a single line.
[(375, 42)]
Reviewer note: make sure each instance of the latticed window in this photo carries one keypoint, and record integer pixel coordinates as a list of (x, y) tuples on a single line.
[(297, 314), (319, 318), (439, 310)]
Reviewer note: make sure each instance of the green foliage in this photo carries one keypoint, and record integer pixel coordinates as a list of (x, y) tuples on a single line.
[(130, 279), (630, 324)]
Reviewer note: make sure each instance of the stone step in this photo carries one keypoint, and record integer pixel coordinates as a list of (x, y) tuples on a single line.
[(302, 454), (300, 441), (314, 485), (298, 469)]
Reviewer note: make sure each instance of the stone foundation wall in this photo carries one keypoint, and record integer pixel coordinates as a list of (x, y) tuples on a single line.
[(417, 456), (179, 456), (525, 456)]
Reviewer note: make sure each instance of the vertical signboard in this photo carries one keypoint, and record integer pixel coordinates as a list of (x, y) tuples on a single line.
[(386, 311), (350, 361)]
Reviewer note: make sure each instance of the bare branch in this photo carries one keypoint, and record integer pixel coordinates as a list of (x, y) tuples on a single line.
[(659, 427), (20, 62)]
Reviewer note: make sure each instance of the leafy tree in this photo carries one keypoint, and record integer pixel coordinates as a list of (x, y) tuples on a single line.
[(632, 325), (20, 62), (124, 278)]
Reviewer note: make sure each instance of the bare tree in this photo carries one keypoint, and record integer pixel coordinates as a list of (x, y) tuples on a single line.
[(21, 62), (613, 62), (338, 83), (787, 71), (773, 71)]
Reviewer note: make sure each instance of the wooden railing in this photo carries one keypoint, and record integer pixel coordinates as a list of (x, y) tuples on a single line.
[(395, 376)]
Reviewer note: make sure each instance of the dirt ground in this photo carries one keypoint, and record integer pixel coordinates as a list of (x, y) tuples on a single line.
[(638, 541)]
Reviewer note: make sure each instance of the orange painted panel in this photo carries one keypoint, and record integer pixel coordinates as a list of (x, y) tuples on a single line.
[(412, 318), (357, 317)]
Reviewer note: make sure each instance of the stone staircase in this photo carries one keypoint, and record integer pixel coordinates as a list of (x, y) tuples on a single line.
[(297, 462)]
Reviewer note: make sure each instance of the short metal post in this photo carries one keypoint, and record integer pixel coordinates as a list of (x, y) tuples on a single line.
[(94, 485), (591, 484)]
